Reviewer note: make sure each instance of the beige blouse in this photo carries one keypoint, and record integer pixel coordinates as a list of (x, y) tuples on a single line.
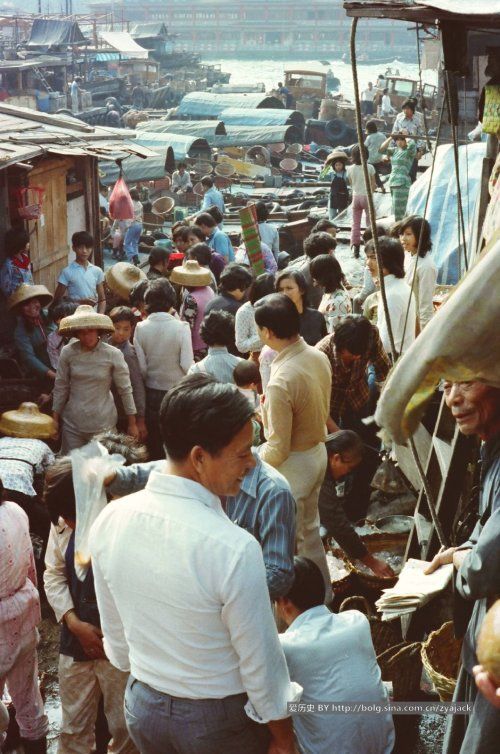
[(82, 391)]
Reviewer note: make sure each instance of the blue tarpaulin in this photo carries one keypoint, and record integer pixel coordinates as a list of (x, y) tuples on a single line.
[(442, 210), (202, 129), (205, 105), (55, 32), (241, 116), (183, 145)]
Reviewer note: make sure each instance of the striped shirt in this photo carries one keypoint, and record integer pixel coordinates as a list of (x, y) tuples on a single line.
[(265, 507)]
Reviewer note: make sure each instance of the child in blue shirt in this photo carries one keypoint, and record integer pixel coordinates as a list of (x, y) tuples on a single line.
[(81, 281)]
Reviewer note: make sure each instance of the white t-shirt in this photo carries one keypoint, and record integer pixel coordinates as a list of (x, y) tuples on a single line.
[(368, 95), (357, 179)]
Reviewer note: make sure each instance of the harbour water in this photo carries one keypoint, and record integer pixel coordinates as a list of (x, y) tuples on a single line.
[(269, 72)]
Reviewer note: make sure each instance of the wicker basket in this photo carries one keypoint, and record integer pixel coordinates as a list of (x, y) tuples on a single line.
[(339, 586), (402, 664), (384, 634), (375, 543), (441, 659)]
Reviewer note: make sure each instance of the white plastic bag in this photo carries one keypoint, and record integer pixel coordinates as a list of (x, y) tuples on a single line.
[(91, 465)]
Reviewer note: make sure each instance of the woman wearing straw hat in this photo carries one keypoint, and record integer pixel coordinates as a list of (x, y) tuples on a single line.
[(87, 369), (196, 294), (32, 330)]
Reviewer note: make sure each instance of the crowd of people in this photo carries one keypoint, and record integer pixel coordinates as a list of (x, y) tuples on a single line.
[(237, 403)]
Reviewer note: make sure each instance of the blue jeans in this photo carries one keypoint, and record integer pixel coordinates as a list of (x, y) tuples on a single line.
[(163, 724), (131, 241)]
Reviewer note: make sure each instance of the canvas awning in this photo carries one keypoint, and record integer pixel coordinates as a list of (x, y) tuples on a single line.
[(203, 129), (123, 42), (203, 105), (55, 32), (242, 116)]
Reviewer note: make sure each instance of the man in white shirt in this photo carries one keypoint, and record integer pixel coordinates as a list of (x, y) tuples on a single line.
[(332, 657), (165, 353), (181, 180), (182, 591), (367, 97)]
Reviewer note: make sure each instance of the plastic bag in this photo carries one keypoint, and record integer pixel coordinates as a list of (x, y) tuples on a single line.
[(120, 202), (91, 465)]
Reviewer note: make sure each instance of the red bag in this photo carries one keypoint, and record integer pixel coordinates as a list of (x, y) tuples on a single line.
[(120, 202)]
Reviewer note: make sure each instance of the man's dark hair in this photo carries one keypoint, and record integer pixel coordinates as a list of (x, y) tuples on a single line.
[(82, 238), (58, 492), (157, 255), (217, 328), (319, 243), (420, 228), (368, 234), (246, 372), (356, 153), (196, 231), (293, 274), (137, 293), (262, 212), (201, 252), (122, 314), (279, 314), (392, 256), (201, 411), (308, 587), (354, 334), (371, 126), (15, 240), (322, 226), (134, 194), (344, 441), (235, 276), (62, 309), (411, 103), (181, 165), (180, 232), (159, 296), (262, 286), (215, 213), (207, 181), (205, 219)]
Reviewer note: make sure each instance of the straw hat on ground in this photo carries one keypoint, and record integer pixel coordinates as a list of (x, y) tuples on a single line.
[(122, 277), (26, 292), (27, 421), (191, 274), (85, 318)]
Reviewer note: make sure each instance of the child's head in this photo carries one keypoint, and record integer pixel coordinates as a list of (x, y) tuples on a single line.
[(134, 195), (58, 493), (201, 252), (124, 320), (83, 245), (246, 374), (61, 310), (158, 259), (338, 166), (371, 127), (180, 237)]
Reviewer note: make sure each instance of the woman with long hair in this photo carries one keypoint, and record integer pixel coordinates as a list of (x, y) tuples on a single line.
[(312, 323), (414, 233)]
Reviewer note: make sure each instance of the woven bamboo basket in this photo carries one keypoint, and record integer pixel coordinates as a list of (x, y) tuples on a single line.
[(375, 543), (384, 634), (441, 659), (402, 664)]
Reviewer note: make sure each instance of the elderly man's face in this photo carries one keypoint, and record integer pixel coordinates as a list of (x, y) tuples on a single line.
[(475, 407)]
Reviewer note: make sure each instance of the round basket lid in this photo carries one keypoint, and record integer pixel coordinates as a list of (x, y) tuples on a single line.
[(122, 277), (221, 182), (27, 421), (203, 167), (277, 148), (289, 164), (163, 206), (224, 169), (258, 154), (198, 189), (295, 148)]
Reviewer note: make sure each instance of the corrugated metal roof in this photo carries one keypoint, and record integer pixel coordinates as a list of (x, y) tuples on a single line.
[(205, 105), (27, 134)]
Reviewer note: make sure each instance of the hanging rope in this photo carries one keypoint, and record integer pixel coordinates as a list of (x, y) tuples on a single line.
[(371, 206), (373, 222), (422, 90), (461, 222)]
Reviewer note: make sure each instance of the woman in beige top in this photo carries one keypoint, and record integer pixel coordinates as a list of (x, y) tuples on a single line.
[(87, 369)]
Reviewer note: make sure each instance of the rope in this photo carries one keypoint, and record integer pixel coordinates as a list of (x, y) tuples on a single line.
[(422, 90), (428, 493), (371, 206), (427, 198), (461, 222)]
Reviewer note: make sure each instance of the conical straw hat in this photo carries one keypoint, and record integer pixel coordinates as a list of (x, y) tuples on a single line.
[(191, 274), (121, 278), (26, 292), (27, 421), (86, 318)]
